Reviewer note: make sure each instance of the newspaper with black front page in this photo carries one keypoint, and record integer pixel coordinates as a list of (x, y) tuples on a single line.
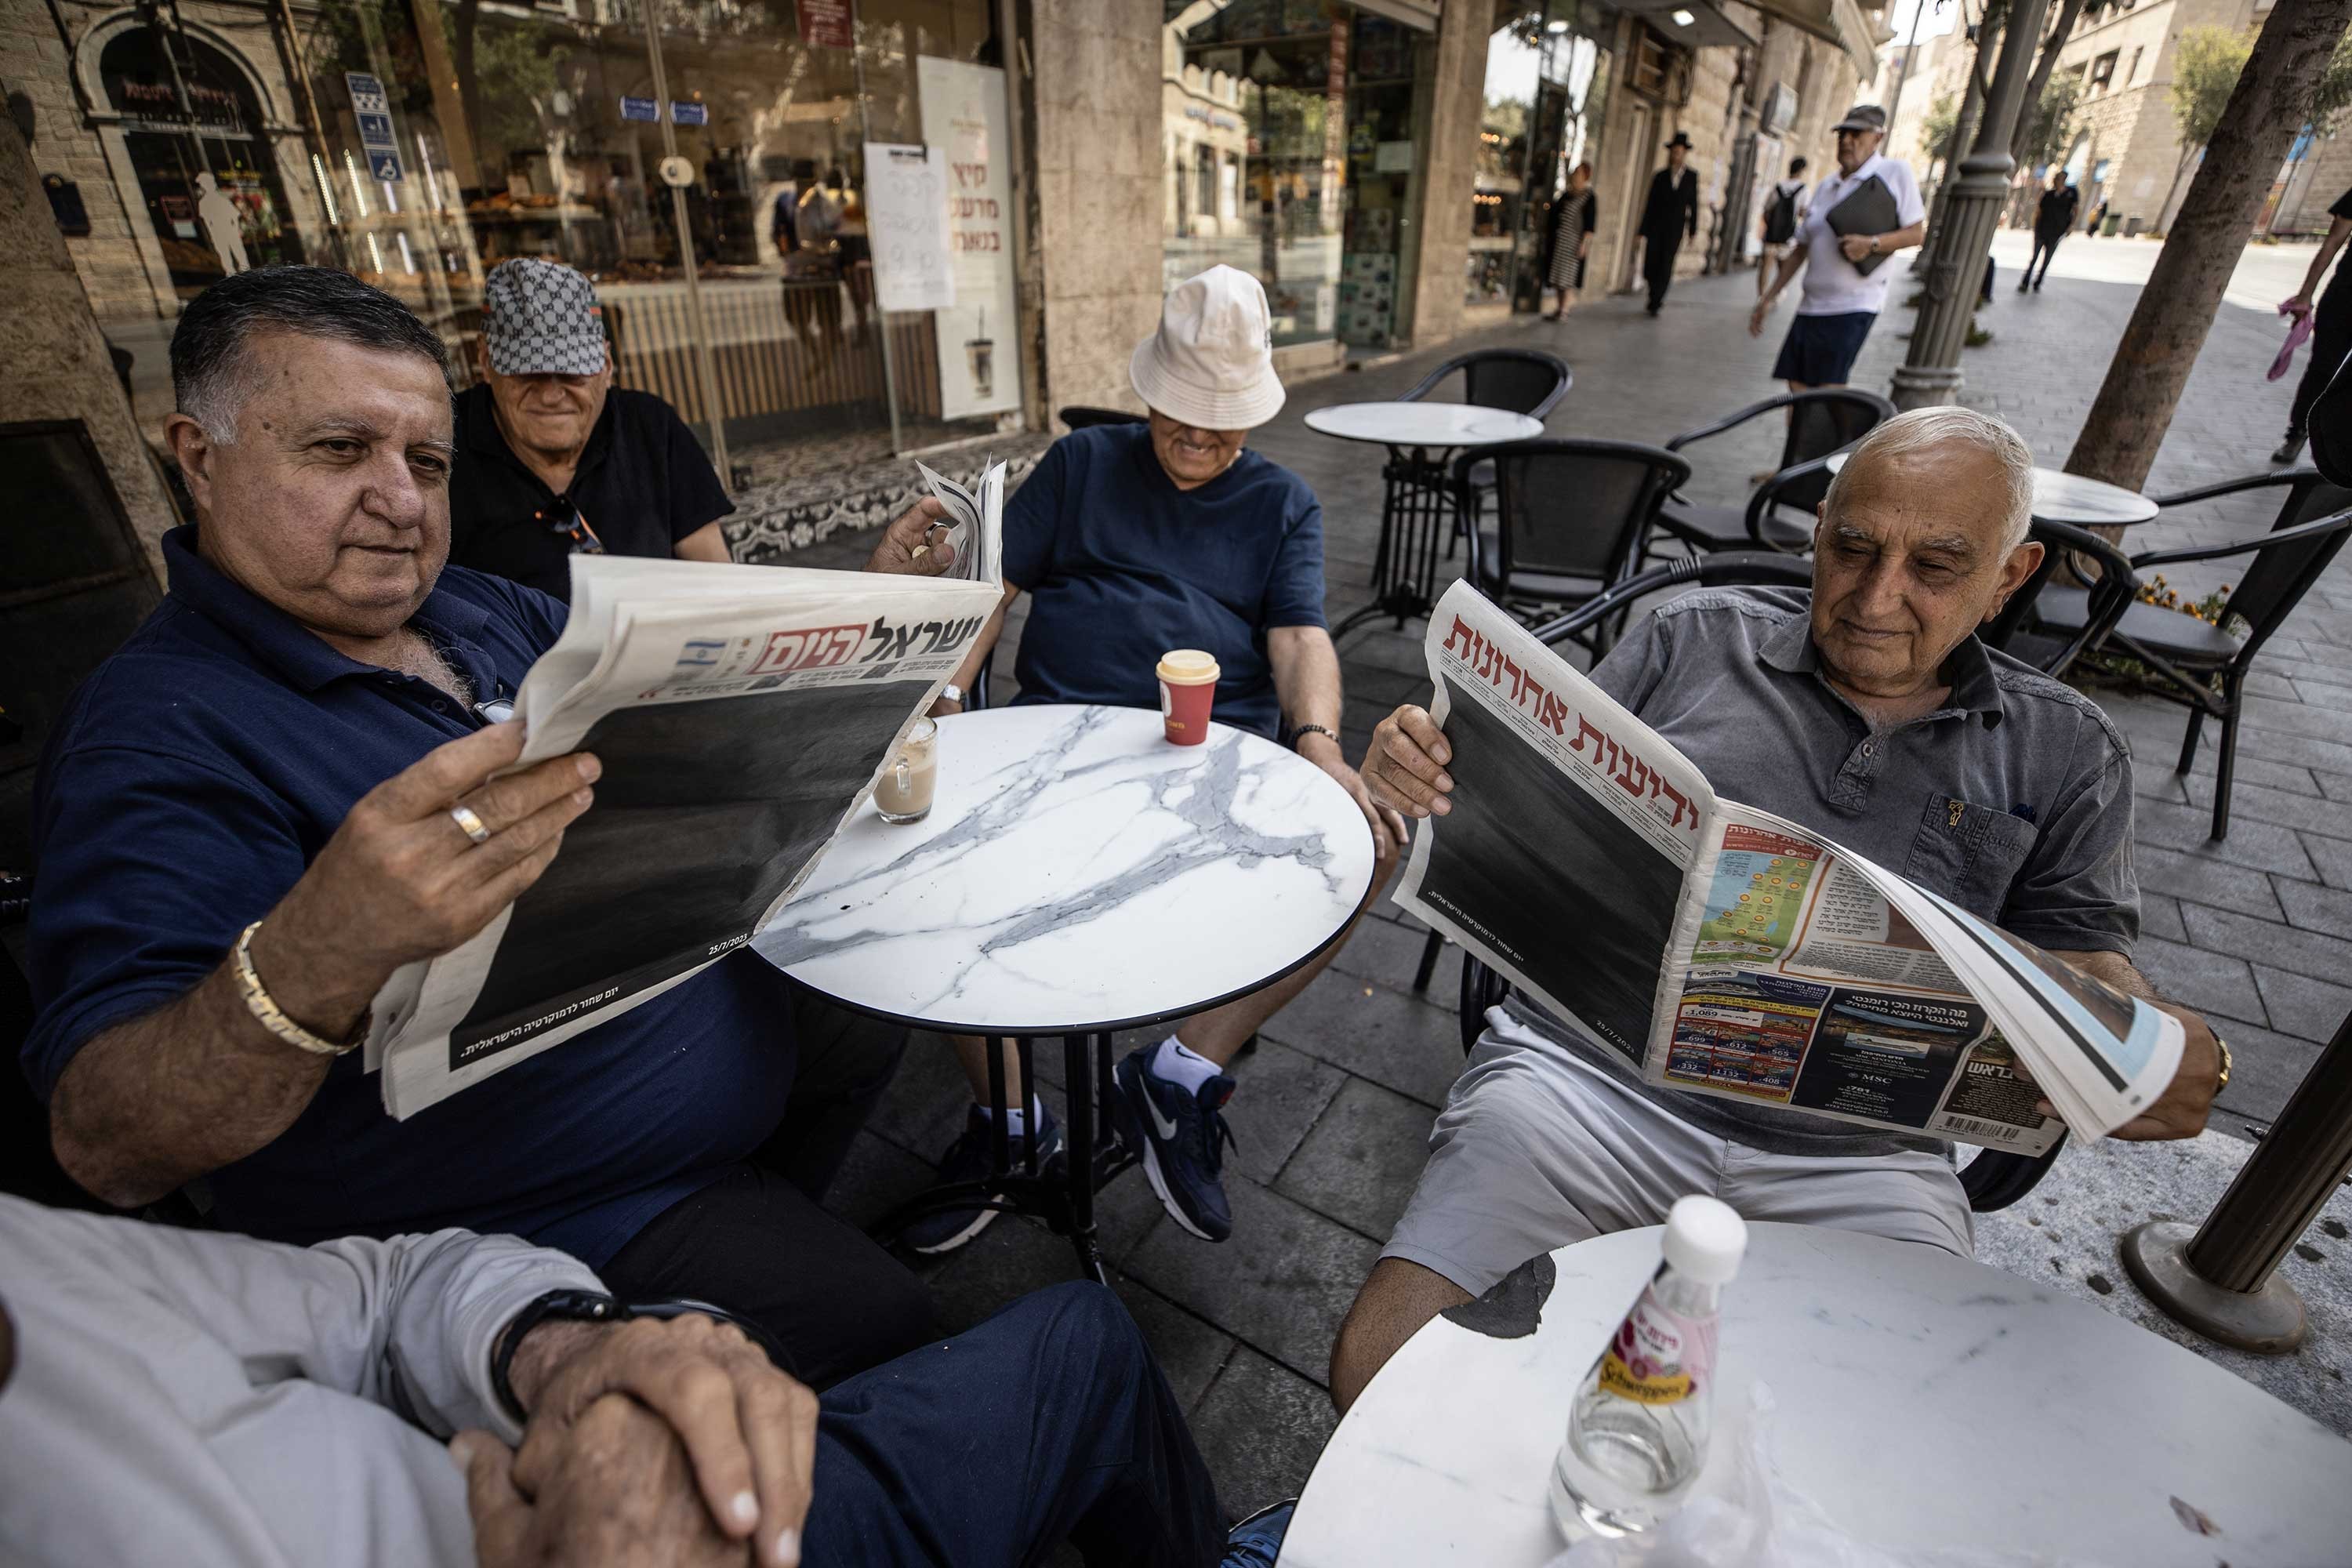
[(1726, 951), (740, 713)]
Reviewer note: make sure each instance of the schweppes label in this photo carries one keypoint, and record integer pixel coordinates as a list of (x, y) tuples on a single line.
[(1660, 1388)]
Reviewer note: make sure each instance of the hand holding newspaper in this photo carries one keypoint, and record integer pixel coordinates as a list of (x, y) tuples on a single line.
[(1729, 952), (740, 713)]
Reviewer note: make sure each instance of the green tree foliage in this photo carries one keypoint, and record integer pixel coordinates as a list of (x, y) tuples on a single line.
[(2051, 127), (2206, 65), (1936, 130)]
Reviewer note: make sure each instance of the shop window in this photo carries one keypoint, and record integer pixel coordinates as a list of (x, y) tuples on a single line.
[(1652, 61), (208, 177), (1301, 111), (2103, 71), (1540, 73), (537, 130)]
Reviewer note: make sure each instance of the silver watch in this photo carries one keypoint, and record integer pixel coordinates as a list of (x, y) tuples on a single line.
[(953, 693)]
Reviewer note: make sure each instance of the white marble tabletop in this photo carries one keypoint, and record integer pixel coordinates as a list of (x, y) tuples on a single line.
[(2062, 497), (1424, 424), (1922, 1402), (1078, 873)]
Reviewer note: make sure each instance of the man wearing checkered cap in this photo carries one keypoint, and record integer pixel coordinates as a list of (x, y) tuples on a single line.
[(553, 459)]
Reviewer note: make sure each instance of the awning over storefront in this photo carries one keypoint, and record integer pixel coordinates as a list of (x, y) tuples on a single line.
[(1693, 23), (1699, 23)]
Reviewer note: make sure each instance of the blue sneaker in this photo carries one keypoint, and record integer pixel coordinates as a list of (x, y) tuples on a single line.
[(1256, 1541), (969, 1159), (1182, 1138)]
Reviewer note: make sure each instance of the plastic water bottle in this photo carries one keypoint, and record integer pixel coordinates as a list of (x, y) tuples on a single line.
[(1637, 1433)]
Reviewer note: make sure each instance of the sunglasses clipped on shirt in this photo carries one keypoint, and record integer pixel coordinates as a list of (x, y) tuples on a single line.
[(564, 519)]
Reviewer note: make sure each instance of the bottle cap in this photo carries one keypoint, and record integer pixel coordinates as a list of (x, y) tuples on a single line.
[(1705, 1239)]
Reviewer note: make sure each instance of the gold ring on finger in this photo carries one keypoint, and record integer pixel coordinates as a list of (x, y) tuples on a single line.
[(471, 825)]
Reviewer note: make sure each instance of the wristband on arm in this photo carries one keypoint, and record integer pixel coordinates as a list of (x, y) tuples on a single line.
[(594, 1307)]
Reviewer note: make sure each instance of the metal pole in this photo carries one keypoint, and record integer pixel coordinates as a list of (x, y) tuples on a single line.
[(1902, 72), (2222, 1280), (1961, 243), (881, 316), (708, 375)]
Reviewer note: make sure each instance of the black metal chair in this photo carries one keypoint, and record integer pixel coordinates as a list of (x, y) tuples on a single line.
[(1819, 422), (1572, 517), (1729, 570), (2049, 627), (1078, 416), (1524, 380), (1993, 1180), (2200, 665)]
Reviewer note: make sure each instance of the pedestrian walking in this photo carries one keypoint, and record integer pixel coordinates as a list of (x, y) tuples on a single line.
[(1784, 209), (1670, 213), (1571, 235), (2099, 217), (2052, 221), (2331, 330), (1842, 258)]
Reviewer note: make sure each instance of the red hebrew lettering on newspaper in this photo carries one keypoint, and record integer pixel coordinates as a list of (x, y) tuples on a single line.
[(815, 648), (1618, 764)]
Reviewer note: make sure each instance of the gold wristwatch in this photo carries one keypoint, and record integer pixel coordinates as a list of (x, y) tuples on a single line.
[(2221, 1046), (272, 1018)]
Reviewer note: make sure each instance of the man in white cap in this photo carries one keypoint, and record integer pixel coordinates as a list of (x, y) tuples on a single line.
[(553, 460), (1131, 540), (1845, 268)]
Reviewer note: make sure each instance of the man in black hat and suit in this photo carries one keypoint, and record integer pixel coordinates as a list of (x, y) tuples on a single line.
[(1671, 213)]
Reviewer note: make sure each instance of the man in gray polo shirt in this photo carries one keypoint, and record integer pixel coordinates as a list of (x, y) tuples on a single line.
[(1866, 708)]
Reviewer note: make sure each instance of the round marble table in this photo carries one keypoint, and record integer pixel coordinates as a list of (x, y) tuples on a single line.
[(1922, 1402), (1078, 875), (2062, 497), (1417, 513)]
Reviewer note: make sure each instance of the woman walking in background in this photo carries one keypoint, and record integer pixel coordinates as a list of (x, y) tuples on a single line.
[(1571, 234)]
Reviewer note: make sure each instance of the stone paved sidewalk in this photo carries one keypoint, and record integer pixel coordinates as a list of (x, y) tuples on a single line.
[(1335, 1105)]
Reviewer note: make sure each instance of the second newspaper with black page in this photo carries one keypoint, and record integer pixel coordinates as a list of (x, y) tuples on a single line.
[(1726, 951)]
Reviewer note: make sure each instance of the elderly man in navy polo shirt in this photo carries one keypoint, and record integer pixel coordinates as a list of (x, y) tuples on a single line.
[(278, 753), (1133, 539)]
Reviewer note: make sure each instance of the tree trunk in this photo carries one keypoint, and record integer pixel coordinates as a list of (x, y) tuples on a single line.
[(2176, 309), (2030, 115)]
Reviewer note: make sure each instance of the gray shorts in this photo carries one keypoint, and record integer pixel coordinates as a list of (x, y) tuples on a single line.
[(1536, 1150)]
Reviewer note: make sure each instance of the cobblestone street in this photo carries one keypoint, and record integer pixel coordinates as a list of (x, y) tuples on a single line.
[(1335, 1104)]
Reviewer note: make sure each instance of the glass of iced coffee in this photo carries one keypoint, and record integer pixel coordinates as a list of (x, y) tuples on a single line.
[(903, 793)]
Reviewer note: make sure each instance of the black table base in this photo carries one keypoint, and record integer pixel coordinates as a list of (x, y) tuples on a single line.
[(1417, 516), (1061, 1193)]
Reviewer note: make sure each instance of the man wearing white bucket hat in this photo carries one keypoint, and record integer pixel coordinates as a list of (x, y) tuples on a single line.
[(1131, 540)]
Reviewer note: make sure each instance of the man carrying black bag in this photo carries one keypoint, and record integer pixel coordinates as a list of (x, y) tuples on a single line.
[(1858, 218)]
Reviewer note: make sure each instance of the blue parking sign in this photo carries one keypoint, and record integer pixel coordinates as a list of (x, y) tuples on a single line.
[(375, 130), (384, 164)]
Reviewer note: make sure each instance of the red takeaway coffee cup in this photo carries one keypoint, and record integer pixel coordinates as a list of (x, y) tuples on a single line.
[(1187, 686)]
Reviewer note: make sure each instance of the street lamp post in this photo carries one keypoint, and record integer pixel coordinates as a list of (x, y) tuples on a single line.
[(1962, 238), (2222, 1278)]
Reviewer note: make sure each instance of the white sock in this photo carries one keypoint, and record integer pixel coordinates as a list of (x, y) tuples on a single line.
[(1016, 1120), (1179, 1063)]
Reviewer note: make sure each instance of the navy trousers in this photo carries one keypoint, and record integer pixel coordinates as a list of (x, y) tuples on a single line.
[(1050, 1421)]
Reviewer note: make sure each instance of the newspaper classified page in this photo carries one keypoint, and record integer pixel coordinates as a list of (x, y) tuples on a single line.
[(1805, 988), (1572, 825)]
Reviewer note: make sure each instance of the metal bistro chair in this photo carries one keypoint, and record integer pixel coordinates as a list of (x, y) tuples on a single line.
[(1078, 416), (1993, 1180), (1729, 570), (2187, 658), (1572, 519), (1523, 381), (1823, 421), (2049, 627)]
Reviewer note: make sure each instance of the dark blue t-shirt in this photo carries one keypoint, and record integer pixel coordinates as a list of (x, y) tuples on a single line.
[(194, 777), (1122, 566)]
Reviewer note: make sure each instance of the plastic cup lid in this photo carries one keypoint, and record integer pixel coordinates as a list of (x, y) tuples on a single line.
[(1706, 1238), (1188, 666)]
